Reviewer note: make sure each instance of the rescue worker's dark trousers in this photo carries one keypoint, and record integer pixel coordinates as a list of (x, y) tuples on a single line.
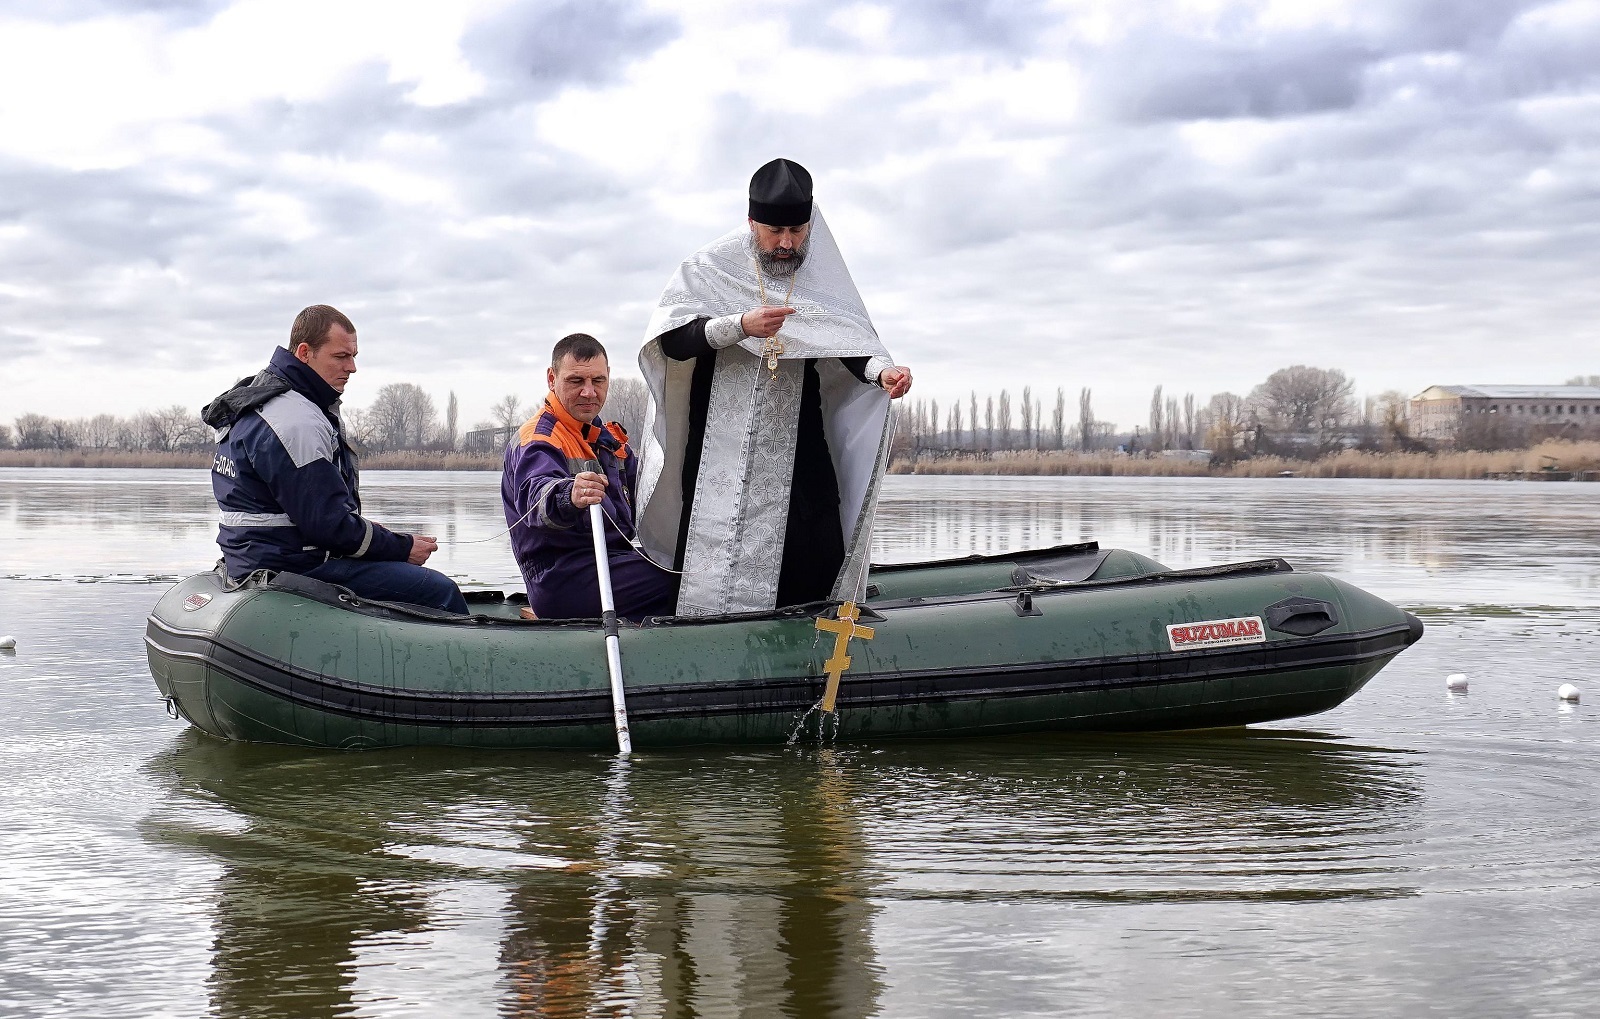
[(414, 585), (641, 589)]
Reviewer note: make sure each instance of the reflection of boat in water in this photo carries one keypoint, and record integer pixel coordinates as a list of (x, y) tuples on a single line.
[(800, 882), (569, 886), (1070, 638)]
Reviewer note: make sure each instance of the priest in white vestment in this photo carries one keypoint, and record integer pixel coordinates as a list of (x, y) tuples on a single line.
[(770, 420)]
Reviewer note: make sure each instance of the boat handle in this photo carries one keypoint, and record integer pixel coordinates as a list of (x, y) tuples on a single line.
[(1302, 617), (1023, 605)]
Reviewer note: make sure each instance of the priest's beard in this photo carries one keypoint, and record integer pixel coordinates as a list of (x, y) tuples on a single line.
[(772, 265)]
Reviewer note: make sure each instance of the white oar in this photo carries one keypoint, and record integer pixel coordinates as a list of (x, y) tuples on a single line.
[(608, 615)]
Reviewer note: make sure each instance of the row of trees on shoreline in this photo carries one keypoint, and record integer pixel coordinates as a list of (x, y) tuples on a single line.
[(1299, 412)]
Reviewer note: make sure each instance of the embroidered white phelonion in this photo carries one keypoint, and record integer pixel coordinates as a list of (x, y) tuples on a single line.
[(1567, 692), (1456, 682)]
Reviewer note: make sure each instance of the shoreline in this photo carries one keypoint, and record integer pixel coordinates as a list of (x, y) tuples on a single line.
[(1553, 460), (1571, 459), (409, 460)]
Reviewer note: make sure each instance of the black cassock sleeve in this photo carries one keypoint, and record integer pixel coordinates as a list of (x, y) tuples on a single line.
[(687, 341)]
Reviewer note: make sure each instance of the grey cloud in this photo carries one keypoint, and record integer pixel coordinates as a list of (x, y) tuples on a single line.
[(1156, 73), (181, 12), (541, 46), (1445, 25), (1153, 76), (935, 26)]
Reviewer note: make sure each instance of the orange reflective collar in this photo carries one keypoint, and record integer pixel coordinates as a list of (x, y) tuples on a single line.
[(574, 438)]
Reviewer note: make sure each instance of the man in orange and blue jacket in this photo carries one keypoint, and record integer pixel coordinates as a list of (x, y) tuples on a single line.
[(564, 461)]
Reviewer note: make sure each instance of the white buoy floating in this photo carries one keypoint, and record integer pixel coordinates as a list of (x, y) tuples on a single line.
[(8, 643), (1456, 682), (1568, 692)]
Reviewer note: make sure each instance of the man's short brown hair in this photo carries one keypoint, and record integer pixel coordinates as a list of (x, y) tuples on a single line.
[(579, 347), (311, 326)]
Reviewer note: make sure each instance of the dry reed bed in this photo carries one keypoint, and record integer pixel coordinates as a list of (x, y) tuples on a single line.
[(1469, 464), (407, 460), (431, 460), (102, 458)]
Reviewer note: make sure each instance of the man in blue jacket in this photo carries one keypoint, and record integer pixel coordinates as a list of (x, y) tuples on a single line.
[(564, 461), (285, 478)]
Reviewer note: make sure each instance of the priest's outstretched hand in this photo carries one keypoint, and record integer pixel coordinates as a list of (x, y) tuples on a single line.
[(896, 380)]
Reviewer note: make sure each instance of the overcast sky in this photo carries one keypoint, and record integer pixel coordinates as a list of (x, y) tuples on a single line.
[(1097, 194)]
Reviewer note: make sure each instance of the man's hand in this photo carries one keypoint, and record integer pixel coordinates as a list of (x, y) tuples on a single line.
[(763, 322), (422, 546), (896, 380), (588, 488)]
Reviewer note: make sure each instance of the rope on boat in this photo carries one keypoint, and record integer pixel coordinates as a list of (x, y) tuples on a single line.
[(630, 539)]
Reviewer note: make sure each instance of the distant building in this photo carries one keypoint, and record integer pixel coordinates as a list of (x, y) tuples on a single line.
[(488, 440), (1438, 412)]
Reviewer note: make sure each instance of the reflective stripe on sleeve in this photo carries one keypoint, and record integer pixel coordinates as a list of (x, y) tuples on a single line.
[(232, 518), (542, 500), (366, 539)]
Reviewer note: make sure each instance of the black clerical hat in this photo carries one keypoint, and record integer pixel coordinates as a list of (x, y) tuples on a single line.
[(780, 194)]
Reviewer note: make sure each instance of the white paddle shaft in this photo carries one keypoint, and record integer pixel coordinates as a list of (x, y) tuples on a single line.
[(608, 615)]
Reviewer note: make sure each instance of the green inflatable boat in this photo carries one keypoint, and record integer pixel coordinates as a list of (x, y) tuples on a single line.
[(1067, 638)]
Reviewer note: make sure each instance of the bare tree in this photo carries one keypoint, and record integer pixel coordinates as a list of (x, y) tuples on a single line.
[(130, 433), (1003, 418), (403, 417), (1058, 420), (62, 434), (5, 436), (974, 418), (33, 431), (508, 412), (1188, 420), (1173, 424), (1202, 425), (627, 403), (1389, 411), (1303, 399), (1227, 413), (1027, 418), (169, 429), (100, 431), (1156, 430), (447, 438), (953, 427), (359, 430), (933, 422), (1085, 421), (988, 424)]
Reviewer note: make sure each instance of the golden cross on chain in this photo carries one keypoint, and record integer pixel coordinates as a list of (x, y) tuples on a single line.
[(843, 629), (772, 349)]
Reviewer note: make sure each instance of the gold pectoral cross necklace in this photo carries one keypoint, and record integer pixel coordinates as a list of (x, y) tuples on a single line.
[(772, 348)]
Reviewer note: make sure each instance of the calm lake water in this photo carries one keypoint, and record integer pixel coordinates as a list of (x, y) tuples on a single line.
[(1410, 853)]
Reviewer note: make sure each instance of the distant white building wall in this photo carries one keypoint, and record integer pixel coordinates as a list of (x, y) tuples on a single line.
[(1439, 411)]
